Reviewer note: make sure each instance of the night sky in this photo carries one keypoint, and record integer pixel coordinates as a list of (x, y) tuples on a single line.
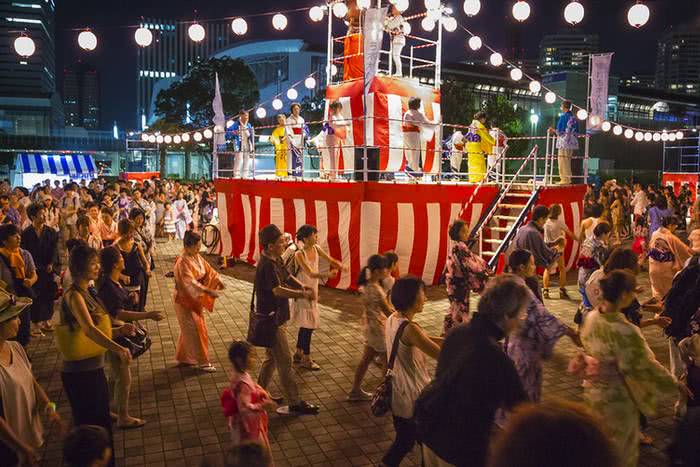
[(115, 58)]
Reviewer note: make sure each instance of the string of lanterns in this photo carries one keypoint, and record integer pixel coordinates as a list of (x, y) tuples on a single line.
[(516, 74), (208, 132)]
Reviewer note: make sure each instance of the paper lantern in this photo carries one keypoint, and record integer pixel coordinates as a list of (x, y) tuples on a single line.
[(260, 112), (582, 114), (639, 136), (401, 5), (292, 94), (279, 22), (239, 26), (340, 9), (606, 126), (310, 82), (671, 137), (316, 14), (196, 32), (167, 139), (208, 134), (629, 133), (656, 137), (407, 28), (638, 15), (432, 4), (475, 43), (427, 24), (471, 7), (496, 59), (186, 137), (550, 97), (143, 37), (647, 136), (144, 137), (521, 10), (152, 139), (24, 46), (679, 135), (449, 23), (159, 139), (277, 104), (573, 13), (87, 40), (617, 130), (664, 136), (363, 4), (535, 87), (516, 74), (595, 120), (177, 139), (197, 136)]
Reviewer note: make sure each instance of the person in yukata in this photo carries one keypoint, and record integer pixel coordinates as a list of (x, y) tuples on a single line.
[(567, 141), (337, 129), (479, 145), (243, 136), (279, 139), (667, 255), (621, 374), (299, 132), (416, 130)]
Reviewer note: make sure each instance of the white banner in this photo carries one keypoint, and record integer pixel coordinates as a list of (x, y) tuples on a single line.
[(600, 73), (373, 36), (219, 127)]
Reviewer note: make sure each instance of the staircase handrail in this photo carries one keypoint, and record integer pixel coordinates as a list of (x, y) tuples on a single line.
[(483, 180), (505, 243)]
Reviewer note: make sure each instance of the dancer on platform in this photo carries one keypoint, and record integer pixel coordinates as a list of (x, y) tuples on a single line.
[(479, 145), (243, 145), (305, 312), (279, 138), (567, 141), (456, 152), (336, 128), (197, 285), (416, 130), (394, 25), (299, 132)]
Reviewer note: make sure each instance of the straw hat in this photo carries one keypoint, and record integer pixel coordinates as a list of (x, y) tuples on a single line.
[(11, 306)]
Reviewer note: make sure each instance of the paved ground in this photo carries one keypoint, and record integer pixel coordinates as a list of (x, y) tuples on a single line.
[(185, 423)]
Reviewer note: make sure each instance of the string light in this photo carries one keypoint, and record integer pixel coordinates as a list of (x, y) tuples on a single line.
[(496, 59), (160, 139), (647, 136), (279, 22), (177, 139), (208, 134), (606, 126), (152, 139), (471, 7), (316, 14), (638, 15), (582, 114), (516, 74), (196, 32), (449, 23), (679, 135), (521, 10), (656, 137), (629, 133), (239, 26), (671, 137), (427, 24), (186, 137), (573, 13), (550, 97), (340, 9), (24, 46), (310, 82), (617, 130), (639, 136), (197, 136), (595, 120), (143, 37), (260, 112), (277, 104), (87, 40), (475, 42), (292, 94), (167, 139), (144, 137), (664, 136), (535, 87)]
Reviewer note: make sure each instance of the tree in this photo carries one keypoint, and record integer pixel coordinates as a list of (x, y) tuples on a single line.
[(458, 103), (501, 113)]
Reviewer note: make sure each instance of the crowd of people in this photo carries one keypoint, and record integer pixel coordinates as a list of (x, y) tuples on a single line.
[(489, 360)]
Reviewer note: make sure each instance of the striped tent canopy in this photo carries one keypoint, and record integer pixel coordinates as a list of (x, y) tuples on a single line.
[(57, 164)]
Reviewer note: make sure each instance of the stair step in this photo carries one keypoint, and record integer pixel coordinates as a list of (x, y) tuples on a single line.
[(492, 241), (508, 218), (501, 229), (518, 195), (512, 206), (488, 253)]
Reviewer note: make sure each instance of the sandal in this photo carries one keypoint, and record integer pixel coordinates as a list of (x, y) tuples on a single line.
[(208, 368), (545, 293), (563, 294), (131, 424), (310, 365)]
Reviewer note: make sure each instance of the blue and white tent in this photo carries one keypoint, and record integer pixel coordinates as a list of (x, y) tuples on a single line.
[(64, 165)]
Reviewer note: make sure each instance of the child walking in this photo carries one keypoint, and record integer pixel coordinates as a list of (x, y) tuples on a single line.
[(169, 220), (245, 401), (377, 310), (305, 313)]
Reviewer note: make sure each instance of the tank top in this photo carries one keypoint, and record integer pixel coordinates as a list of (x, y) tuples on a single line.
[(589, 230)]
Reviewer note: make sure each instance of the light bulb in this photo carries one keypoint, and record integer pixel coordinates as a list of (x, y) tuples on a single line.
[(550, 97), (340, 9), (496, 59), (639, 136), (277, 104), (401, 5), (167, 139), (617, 130), (316, 14), (679, 135), (606, 126), (664, 136), (87, 40), (196, 32), (144, 137), (629, 133), (177, 139), (427, 24), (582, 114), (197, 136), (535, 87), (449, 23), (516, 74), (671, 137), (186, 137), (521, 10), (647, 136), (292, 94), (472, 7), (24, 46), (595, 120), (279, 22), (239, 26), (143, 37), (638, 15), (260, 112), (310, 82), (208, 134), (159, 139), (656, 137), (475, 43), (152, 139), (573, 13)]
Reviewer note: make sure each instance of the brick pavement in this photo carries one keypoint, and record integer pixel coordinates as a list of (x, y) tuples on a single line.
[(185, 423)]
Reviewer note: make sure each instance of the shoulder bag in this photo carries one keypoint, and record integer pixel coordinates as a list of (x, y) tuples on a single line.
[(381, 399), (262, 327)]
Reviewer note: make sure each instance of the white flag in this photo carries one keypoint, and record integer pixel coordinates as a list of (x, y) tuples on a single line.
[(373, 36), (600, 73), (219, 126)]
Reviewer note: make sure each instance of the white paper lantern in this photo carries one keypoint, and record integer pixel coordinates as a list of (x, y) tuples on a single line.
[(432, 4), (277, 104), (671, 137), (167, 139), (334, 69), (535, 87), (629, 133), (472, 7), (664, 136), (260, 112), (550, 97), (279, 22), (656, 137), (449, 23), (617, 130), (197, 136), (196, 32), (152, 139), (521, 10), (407, 28), (87, 40), (292, 94), (316, 14), (638, 15), (582, 114), (24, 46), (208, 134), (516, 74), (595, 120), (186, 137), (639, 136), (310, 82), (475, 43), (159, 139), (401, 5), (143, 37), (177, 139), (340, 9), (573, 13), (144, 137), (427, 24), (647, 136), (679, 135), (606, 126), (363, 4), (239, 26), (496, 59)]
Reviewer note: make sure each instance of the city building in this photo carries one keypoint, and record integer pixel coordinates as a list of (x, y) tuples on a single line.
[(637, 80), (567, 51), (171, 56), (81, 97), (29, 103), (678, 61)]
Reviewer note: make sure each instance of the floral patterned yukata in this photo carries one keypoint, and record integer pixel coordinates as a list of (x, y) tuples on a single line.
[(622, 378), (465, 271)]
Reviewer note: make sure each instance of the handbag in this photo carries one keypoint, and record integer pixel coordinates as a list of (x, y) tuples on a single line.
[(137, 344), (381, 399), (73, 343), (262, 327)]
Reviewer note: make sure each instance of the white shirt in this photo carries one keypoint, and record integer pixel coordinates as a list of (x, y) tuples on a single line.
[(394, 24), (639, 202), (554, 230), (457, 139), (296, 123)]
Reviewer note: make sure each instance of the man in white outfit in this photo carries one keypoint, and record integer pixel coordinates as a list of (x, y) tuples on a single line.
[(416, 129), (243, 144)]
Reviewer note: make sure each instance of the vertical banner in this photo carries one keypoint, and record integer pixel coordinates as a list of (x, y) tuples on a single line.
[(373, 36), (600, 73), (219, 128)]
